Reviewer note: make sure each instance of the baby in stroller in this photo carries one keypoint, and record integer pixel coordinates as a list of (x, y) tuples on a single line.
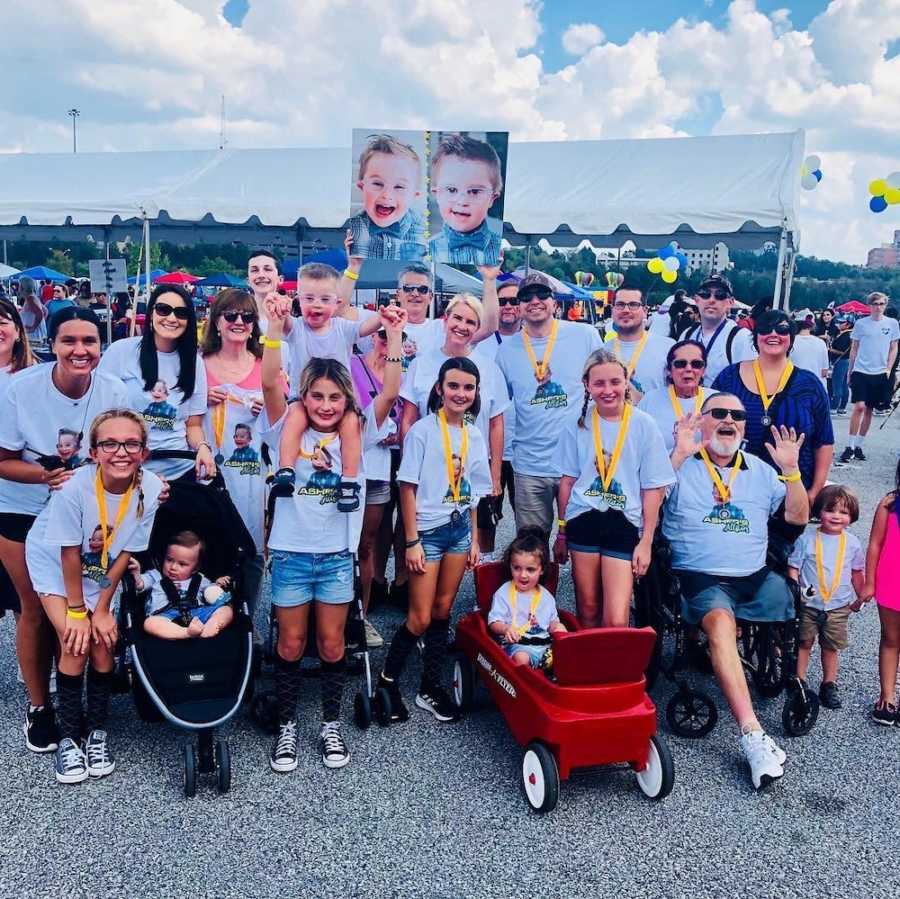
[(183, 603)]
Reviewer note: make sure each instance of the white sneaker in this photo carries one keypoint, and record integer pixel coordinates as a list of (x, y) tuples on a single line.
[(373, 638), (331, 743), (775, 749), (765, 768)]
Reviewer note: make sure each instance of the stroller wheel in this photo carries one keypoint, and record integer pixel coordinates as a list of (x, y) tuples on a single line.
[(223, 766), (362, 710), (691, 714), (190, 770), (657, 779), (540, 778), (800, 712), (463, 689), (382, 707)]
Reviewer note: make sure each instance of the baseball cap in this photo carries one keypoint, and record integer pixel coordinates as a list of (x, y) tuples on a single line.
[(531, 282), (717, 281)]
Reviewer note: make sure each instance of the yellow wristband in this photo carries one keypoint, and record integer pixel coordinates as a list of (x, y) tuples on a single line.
[(790, 478), (561, 523), (78, 616), (351, 275), (271, 344)]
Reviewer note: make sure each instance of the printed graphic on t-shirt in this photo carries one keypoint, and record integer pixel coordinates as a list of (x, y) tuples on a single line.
[(91, 566), (550, 395), (244, 458), (614, 497), (465, 489), (323, 482), (160, 415), (729, 517), (410, 349)]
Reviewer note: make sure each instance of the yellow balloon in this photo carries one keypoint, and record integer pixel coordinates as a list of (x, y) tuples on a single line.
[(669, 276), (892, 195), (655, 265), (878, 187)]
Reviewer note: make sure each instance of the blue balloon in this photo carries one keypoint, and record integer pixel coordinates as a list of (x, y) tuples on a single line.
[(666, 252), (818, 175), (682, 258), (878, 204)]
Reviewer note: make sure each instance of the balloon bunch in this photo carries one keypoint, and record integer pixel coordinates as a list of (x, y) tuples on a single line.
[(811, 173), (584, 279), (614, 280), (668, 263), (885, 192)]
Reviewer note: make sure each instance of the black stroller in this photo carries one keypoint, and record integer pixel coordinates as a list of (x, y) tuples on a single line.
[(197, 684)]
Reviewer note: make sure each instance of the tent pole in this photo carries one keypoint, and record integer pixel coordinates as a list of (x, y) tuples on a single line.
[(434, 287), (527, 259), (779, 270), (108, 297), (789, 279), (146, 262)]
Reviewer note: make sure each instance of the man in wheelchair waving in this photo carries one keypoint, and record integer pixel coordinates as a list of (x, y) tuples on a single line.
[(717, 522)]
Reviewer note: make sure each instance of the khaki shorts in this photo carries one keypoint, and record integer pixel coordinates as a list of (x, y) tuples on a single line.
[(831, 631)]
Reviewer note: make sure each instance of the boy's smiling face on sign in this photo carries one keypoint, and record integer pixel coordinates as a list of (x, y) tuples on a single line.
[(465, 192)]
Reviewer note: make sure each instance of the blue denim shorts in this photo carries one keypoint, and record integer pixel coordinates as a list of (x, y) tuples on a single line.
[(534, 652), (299, 578), (761, 596), (204, 612), (447, 538)]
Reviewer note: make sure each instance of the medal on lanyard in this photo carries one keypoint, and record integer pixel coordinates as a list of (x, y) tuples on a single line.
[(766, 420), (607, 472), (723, 489), (542, 368), (631, 365), (828, 590), (454, 480), (676, 402), (217, 414), (513, 602), (109, 536)]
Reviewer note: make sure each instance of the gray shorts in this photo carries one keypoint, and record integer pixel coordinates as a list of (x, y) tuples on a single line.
[(535, 496), (761, 596)]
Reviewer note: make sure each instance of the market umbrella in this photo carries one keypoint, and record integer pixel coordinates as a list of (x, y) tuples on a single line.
[(177, 278), (855, 307), (222, 279), (154, 274), (42, 273), (7, 271)]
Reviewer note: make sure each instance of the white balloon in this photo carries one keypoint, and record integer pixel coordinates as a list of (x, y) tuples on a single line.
[(673, 263), (809, 182), (893, 180), (812, 163)]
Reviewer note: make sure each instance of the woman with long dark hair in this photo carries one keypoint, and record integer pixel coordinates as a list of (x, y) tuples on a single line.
[(166, 382)]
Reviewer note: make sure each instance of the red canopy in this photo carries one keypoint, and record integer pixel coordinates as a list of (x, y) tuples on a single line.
[(289, 285), (176, 278), (855, 307)]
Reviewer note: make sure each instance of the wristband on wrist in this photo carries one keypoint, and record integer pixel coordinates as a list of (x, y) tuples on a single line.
[(789, 478), (78, 616), (351, 275), (561, 523), (203, 443), (411, 543), (396, 359), (271, 344)]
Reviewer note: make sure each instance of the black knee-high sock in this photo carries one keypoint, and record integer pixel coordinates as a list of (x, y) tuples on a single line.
[(68, 700), (401, 646), (99, 688), (287, 688), (435, 652), (332, 688)]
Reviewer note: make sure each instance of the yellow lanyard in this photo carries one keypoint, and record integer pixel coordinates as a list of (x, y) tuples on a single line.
[(761, 386), (218, 423), (454, 481), (513, 602), (828, 592), (724, 490), (320, 444), (676, 403), (631, 365), (101, 514), (543, 367), (606, 474)]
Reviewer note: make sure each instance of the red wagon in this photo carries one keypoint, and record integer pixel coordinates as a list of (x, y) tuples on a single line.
[(594, 711)]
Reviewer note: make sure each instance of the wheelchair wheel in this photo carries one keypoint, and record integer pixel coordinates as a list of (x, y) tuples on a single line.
[(382, 707), (540, 778), (657, 779), (223, 766), (768, 664), (691, 714), (463, 684), (362, 710), (190, 770), (800, 712)]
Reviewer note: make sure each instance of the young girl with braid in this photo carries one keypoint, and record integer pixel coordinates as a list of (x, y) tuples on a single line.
[(77, 551)]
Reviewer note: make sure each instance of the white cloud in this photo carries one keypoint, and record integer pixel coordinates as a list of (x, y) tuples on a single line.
[(579, 38), (148, 74)]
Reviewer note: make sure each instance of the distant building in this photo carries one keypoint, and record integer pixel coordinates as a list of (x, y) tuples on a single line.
[(885, 256)]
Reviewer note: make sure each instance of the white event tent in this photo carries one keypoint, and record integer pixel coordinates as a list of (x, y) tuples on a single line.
[(739, 189)]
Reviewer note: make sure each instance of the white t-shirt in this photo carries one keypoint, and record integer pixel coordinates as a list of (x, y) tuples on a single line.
[(71, 518), (716, 343), (651, 366), (487, 349), (803, 557), (421, 338), (335, 341), (811, 353), (158, 600), (875, 339), (724, 539), (33, 411), (544, 615), (423, 373), (285, 346), (424, 464), (364, 343), (377, 458), (660, 322), (164, 408), (657, 404), (643, 465), (543, 412)]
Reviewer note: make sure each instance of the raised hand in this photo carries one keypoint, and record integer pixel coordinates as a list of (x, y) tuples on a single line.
[(491, 272), (685, 433), (785, 448)]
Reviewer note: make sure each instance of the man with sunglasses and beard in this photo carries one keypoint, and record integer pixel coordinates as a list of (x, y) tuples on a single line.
[(717, 523), (725, 342)]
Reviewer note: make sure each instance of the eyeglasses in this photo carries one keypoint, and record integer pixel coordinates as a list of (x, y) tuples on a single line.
[(246, 317), (705, 293), (721, 414), (535, 293), (111, 447), (164, 310), (782, 329), (696, 364), (631, 307), (420, 289), (878, 303), (508, 301)]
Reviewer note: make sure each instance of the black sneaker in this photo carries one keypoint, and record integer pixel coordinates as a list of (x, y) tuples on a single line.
[(284, 752), (846, 455), (885, 713), (858, 454), (100, 761), (41, 732), (436, 701), (399, 711), (332, 746), (71, 765), (829, 696)]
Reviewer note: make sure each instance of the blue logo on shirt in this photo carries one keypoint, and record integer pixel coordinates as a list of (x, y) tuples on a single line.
[(729, 517), (550, 395), (614, 497), (323, 484)]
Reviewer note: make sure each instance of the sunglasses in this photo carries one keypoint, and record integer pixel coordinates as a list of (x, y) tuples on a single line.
[(508, 301), (535, 293), (246, 317), (782, 329), (696, 364), (722, 414), (164, 310), (705, 293), (110, 447), (410, 289)]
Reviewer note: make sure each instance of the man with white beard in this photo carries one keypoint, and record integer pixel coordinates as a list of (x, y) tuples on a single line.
[(716, 520)]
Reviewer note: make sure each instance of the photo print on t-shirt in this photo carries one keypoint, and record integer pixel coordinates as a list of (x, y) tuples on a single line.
[(549, 394), (465, 489), (323, 482), (244, 458), (91, 566), (68, 446), (160, 414)]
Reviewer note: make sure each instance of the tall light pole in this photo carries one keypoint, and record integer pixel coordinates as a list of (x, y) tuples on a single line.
[(74, 113)]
